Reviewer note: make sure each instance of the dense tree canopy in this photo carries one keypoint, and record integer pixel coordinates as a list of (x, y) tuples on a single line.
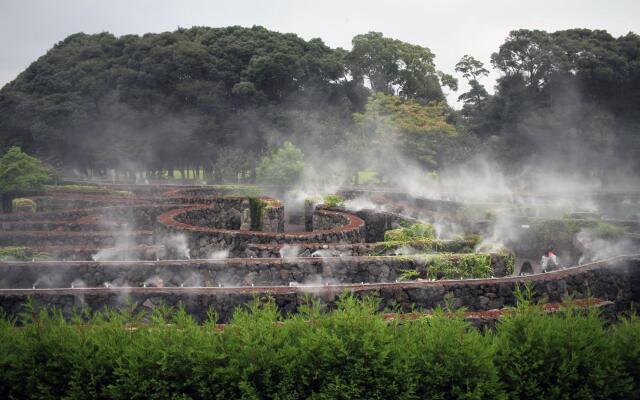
[(215, 100), (396, 132), (175, 99), (568, 98), (395, 67)]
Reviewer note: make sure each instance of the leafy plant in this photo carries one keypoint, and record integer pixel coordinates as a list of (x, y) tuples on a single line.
[(409, 275), (333, 200), (23, 204), (420, 231)]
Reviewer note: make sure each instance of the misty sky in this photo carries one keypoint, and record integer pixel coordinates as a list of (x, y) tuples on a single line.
[(28, 28)]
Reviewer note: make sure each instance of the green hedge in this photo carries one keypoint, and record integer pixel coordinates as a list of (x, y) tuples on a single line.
[(350, 353)]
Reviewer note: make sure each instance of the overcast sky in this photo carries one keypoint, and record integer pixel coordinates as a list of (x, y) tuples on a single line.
[(450, 28)]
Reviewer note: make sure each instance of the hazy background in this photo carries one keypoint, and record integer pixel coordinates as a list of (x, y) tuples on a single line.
[(28, 28)]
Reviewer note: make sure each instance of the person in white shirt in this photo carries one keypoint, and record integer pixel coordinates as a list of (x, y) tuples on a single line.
[(549, 261)]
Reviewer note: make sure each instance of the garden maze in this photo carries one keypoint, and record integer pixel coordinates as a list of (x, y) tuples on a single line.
[(221, 247)]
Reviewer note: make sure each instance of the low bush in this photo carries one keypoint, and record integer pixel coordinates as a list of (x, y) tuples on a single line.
[(333, 200), (421, 231), (453, 266), (352, 352), (24, 204), (564, 355)]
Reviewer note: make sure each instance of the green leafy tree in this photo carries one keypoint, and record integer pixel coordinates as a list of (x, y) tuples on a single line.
[(395, 67), (398, 131), (20, 173), (472, 70), (282, 167)]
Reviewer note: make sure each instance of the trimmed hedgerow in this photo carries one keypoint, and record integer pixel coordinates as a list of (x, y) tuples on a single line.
[(352, 352)]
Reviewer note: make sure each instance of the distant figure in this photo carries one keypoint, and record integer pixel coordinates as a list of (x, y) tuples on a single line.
[(526, 268), (549, 261), (439, 275)]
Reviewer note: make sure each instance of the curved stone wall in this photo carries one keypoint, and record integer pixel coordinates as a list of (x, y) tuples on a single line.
[(340, 227), (617, 280), (212, 273)]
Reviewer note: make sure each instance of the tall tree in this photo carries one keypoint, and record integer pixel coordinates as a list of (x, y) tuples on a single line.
[(395, 67)]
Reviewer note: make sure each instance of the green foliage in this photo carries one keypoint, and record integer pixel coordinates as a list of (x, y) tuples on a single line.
[(453, 266), (409, 275), (24, 204), (563, 230), (282, 167), (541, 98), (567, 355), (626, 343), (333, 200), (420, 231), (395, 67), (428, 246), (20, 172), (459, 266), (416, 130), (216, 94), (17, 253), (256, 206), (349, 353)]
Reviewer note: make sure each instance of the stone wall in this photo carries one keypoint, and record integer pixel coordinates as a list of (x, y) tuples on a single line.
[(223, 214), (203, 241), (378, 222), (230, 272), (362, 249), (65, 238), (616, 280), (272, 218)]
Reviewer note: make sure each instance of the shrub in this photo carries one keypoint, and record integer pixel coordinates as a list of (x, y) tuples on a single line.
[(24, 204), (564, 355), (352, 352), (442, 357), (453, 266), (456, 266), (333, 200), (421, 231), (626, 342)]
